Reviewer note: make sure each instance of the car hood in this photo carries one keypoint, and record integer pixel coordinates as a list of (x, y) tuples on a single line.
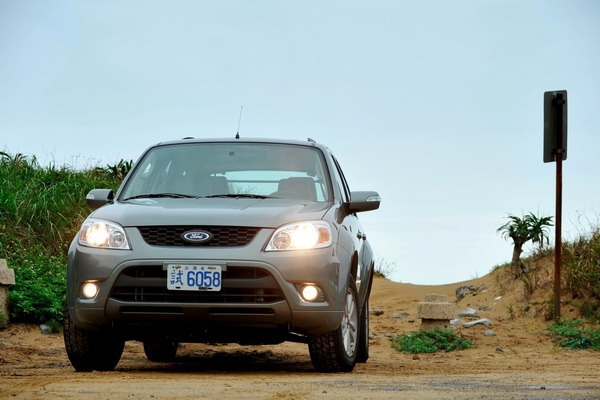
[(211, 211)]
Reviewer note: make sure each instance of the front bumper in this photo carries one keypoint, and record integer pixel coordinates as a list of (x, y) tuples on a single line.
[(255, 294)]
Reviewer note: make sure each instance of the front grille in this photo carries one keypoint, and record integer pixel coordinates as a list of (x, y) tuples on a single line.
[(222, 236), (239, 285)]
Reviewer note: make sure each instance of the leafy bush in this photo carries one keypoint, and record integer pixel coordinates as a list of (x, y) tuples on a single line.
[(573, 334), (39, 293), (429, 342)]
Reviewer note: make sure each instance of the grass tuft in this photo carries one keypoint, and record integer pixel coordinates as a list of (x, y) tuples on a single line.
[(429, 342)]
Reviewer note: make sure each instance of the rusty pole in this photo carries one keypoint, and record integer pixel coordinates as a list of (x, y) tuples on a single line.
[(559, 103)]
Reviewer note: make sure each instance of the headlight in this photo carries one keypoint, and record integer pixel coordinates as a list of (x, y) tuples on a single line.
[(99, 233), (301, 236)]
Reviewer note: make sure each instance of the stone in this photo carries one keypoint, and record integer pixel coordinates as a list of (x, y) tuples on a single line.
[(435, 312), (7, 275), (429, 310), (7, 278), (468, 312), (463, 291), (483, 321), (46, 329)]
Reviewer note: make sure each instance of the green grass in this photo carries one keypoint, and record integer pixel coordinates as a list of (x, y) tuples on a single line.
[(429, 342), (581, 266), (41, 210)]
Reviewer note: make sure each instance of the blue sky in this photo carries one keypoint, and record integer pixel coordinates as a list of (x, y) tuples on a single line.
[(437, 105)]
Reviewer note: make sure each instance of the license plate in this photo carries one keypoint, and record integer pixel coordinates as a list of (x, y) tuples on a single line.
[(194, 277)]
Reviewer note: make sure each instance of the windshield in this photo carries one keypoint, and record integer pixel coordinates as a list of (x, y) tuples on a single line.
[(230, 169)]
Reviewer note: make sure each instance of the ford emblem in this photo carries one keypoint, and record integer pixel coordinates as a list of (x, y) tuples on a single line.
[(196, 236)]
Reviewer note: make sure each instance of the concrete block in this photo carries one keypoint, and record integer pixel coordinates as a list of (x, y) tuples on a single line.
[(435, 312), (427, 310), (432, 324), (436, 298), (7, 277)]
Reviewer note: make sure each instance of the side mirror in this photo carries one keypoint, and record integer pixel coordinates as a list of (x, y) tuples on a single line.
[(96, 198), (363, 201)]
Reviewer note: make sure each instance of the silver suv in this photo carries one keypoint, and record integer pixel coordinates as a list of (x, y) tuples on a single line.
[(223, 241)]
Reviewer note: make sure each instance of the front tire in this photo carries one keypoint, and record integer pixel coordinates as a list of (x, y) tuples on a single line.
[(337, 351), (91, 350)]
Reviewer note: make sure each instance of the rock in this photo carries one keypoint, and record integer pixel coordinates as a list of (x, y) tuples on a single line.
[(482, 321), (489, 332), (464, 291), (46, 329), (468, 312), (400, 315), (455, 321), (377, 312)]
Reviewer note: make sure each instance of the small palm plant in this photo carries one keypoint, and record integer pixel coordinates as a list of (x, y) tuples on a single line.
[(522, 230)]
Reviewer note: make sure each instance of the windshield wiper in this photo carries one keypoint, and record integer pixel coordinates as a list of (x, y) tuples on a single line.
[(238, 195), (161, 195)]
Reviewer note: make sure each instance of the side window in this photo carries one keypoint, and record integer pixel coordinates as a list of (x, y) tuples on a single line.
[(341, 181)]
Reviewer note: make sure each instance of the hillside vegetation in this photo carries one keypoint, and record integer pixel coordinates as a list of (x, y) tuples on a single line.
[(42, 208)]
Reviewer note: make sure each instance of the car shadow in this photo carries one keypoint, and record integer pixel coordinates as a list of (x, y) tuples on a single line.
[(214, 360)]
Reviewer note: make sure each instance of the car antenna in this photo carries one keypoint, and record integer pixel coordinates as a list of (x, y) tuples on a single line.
[(237, 135)]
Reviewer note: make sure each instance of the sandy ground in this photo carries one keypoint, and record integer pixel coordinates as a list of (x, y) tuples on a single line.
[(519, 362)]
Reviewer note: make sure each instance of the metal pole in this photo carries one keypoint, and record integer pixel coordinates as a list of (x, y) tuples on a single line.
[(558, 236), (559, 103)]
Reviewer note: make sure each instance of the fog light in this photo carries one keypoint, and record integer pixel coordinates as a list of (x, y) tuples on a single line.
[(90, 290), (310, 293)]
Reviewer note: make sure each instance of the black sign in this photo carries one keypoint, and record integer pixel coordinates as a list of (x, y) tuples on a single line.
[(555, 125)]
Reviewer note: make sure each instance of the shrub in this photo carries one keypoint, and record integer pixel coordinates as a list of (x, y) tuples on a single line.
[(429, 342), (384, 268), (573, 334), (39, 293)]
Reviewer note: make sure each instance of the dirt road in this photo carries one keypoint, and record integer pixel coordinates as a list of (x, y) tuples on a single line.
[(519, 362)]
